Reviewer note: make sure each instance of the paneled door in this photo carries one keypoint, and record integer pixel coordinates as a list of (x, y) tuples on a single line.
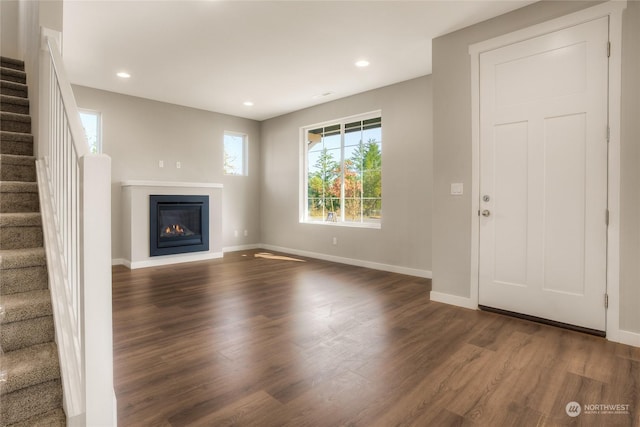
[(543, 176)]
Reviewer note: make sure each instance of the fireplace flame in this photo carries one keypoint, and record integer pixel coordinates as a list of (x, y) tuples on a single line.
[(173, 230)]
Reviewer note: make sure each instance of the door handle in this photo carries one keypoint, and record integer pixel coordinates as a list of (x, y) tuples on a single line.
[(486, 212)]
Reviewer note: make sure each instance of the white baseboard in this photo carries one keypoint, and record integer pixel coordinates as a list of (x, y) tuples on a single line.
[(350, 261), (452, 300), (626, 337), (121, 261), (241, 247), (168, 260)]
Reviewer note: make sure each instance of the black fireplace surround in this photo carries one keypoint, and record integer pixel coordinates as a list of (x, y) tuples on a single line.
[(178, 224)]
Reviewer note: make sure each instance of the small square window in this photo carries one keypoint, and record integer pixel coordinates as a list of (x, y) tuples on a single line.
[(235, 153)]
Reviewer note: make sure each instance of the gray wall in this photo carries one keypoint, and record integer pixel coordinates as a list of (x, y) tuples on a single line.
[(630, 171), (137, 133), (405, 236), (9, 21), (452, 150)]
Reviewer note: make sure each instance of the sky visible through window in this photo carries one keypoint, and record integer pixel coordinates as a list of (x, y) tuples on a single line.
[(91, 125), (234, 147)]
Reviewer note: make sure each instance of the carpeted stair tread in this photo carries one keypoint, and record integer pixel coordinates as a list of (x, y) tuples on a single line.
[(14, 104), (55, 418), (26, 333), (18, 187), (17, 196), (22, 219), (26, 305), (16, 64), (16, 136), (30, 402), (30, 366), (14, 89), (17, 168), (12, 75), (22, 258), (23, 270), (16, 143), (21, 230), (14, 122)]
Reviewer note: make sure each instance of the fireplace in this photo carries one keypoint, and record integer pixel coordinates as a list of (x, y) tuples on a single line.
[(178, 224)]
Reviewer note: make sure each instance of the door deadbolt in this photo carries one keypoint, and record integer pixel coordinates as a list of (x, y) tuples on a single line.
[(486, 198)]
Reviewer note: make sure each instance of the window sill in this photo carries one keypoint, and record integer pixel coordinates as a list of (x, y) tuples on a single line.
[(374, 226)]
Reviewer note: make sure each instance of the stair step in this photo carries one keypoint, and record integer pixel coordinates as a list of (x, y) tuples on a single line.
[(22, 270), (14, 89), (17, 168), (16, 143), (30, 366), (20, 230), (26, 333), (16, 196), (13, 75), (16, 64), (26, 305), (28, 403), (14, 122), (14, 104), (55, 418)]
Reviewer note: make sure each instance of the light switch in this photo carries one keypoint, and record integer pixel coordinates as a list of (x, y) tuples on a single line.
[(456, 188)]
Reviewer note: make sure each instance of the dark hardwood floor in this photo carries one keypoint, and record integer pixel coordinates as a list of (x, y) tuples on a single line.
[(246, 341)]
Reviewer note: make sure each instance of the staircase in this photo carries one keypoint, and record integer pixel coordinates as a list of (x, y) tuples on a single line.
[(30, 386)]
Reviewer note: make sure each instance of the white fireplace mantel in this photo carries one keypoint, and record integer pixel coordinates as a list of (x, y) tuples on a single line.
[(135, 221), (174, 184)]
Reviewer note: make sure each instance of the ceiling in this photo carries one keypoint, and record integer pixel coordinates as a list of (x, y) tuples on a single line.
[(280, 55)]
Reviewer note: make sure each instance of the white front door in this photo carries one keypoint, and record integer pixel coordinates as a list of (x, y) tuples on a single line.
[(543, 176)]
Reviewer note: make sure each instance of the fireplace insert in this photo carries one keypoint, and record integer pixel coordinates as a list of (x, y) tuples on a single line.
[(178, 224)]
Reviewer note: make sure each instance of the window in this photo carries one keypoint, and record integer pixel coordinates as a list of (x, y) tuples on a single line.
[(343, 171), (235, 153), (91, 124)]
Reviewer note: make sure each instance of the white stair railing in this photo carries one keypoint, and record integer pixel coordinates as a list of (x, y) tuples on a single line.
[(75, 190)]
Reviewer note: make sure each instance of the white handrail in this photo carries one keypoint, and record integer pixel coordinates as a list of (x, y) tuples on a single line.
[(75, 188)]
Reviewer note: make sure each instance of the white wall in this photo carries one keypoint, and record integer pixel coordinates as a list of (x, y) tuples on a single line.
[(137, 133), (405, 237)]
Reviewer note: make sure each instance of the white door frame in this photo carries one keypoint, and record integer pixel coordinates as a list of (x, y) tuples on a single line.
[(612, 9)]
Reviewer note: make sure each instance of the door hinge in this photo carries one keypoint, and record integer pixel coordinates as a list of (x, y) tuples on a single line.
[(606, 300), (478, 212), (608, 49), (606, 217), (608, 133)]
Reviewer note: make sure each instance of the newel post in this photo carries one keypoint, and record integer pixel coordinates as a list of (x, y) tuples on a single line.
[(95, 173)]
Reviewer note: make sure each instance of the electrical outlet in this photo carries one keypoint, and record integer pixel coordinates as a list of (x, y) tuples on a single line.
[(335, 240), (178, 165), (161, 163)]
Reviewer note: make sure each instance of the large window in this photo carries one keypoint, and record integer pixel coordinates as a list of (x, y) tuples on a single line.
[(235, 153), (91, 124), (343, 171)]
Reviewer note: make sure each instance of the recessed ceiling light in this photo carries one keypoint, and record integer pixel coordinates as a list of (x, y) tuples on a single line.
[(123, 75), (362, 63), (248, 103)]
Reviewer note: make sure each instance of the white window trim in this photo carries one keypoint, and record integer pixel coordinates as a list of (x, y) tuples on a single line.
[(303, 167), (245, 152)]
